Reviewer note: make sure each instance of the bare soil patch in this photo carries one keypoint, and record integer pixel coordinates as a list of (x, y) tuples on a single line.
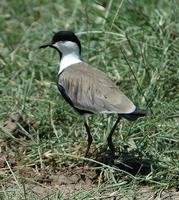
[(67, 179)]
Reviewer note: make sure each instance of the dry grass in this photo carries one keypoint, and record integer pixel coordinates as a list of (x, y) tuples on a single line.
[(137, 44)]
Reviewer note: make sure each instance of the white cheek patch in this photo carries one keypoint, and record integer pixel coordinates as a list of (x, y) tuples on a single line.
[(70, 53), (57, 45)]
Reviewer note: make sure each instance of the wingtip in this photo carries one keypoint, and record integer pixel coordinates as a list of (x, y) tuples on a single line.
[(135, 115), (140, 112)]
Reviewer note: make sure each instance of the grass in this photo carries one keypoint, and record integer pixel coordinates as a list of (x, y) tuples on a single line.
[(136, 43)]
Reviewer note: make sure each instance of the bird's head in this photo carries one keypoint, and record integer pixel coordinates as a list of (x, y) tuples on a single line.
[(64, 42)]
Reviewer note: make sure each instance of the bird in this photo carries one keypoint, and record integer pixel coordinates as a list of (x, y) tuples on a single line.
[(87, 89)]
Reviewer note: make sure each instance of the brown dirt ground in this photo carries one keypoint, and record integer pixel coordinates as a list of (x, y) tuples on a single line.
[(71, 180), (67, 180)]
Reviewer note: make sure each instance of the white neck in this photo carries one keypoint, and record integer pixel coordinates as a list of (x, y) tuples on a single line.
[(68, 60)]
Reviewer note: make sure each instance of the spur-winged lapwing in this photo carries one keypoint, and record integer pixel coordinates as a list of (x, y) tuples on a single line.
[(88, 90)]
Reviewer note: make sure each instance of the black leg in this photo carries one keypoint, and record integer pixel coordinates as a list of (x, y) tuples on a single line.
[(89, 139), (109, 138)]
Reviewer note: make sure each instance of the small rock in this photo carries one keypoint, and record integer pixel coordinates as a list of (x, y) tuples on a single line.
[(63, 180), (10, 126), (74, 178)]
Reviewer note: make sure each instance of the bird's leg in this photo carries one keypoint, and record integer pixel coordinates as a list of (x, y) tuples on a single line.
[(109, 138), (89, 139)]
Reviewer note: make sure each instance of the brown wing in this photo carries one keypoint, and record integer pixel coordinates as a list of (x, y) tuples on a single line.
[(91, 90)]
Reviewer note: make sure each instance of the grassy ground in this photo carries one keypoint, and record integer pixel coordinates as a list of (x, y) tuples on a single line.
[(137, 44)]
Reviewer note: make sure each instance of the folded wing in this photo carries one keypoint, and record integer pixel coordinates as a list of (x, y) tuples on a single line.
[(91, 90)]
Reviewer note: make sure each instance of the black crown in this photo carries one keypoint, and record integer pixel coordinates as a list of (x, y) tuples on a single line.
[(66, 36)]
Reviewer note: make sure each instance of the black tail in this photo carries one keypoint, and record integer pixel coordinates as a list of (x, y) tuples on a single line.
[(134, 115)]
